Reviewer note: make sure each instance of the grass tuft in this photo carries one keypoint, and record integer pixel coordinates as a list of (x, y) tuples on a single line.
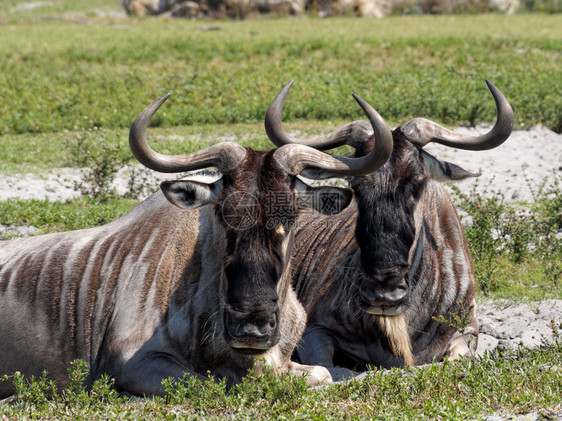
[(501, 383)]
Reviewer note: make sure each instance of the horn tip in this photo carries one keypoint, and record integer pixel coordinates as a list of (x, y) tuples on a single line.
[(283, 93), (491, 86), (161, 100), (359, 100)]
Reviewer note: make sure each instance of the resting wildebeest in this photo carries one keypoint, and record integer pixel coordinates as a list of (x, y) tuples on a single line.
[(374, 278), (164, 290)]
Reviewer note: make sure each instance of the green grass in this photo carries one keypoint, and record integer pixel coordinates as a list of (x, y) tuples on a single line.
[(35, 152), (61, 75), (62, 216), (499, 383), (523, 281)]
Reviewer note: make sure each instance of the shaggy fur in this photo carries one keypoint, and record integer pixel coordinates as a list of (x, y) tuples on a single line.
[(157, 293), (401, 229)]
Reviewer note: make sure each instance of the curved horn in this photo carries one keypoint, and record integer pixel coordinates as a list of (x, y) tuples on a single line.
[(296, 157), (350, 134), (226, 156), (420, 131)]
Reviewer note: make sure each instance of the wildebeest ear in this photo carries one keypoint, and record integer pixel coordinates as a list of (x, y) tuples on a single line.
[(326, 200), (443, 170), (191, 194)]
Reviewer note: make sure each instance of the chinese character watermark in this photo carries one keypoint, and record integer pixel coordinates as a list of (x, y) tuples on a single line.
[(242, 211)]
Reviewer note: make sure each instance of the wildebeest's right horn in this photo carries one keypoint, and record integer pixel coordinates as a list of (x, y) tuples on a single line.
[(420, 131), (226, 156), (300, 155)]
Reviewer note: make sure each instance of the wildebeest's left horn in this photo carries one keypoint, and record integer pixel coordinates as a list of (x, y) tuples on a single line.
[(300, 155), (226, 156), (350, 134), (420, 131)]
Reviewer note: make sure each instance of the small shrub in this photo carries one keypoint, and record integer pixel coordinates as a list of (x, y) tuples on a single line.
[(517, 234), (140, 183), (457, 319), (503, 230), (547, 222), (75, 392), (547, 203), (483, 235), (542, 6), (33, 391), (101, 162), (101, 158), (37, 397)]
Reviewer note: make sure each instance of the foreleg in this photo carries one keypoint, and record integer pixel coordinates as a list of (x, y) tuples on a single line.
[(315, 375), (317, 348), (464, 342), (144, 375)]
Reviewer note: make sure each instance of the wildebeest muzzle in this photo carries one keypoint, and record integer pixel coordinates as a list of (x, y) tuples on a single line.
[(252, 332), (385, 295)]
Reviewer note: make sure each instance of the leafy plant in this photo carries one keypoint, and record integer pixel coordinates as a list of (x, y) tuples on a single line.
[(499, 229), (139, 183), (547, 222), (457, 320), (483, 234), (101, 161)]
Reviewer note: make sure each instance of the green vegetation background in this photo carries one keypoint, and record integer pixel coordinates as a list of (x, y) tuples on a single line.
[(72, 73)]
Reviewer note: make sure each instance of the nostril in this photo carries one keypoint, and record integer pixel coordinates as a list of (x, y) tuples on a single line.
[(251, 328), (395, 296), (385, 295), (272, 322), (248, 331)]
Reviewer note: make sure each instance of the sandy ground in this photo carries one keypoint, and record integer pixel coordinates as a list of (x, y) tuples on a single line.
[(528, 156)]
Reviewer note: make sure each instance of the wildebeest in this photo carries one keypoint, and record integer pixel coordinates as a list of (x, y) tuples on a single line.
[(375, 278), (198, 287)]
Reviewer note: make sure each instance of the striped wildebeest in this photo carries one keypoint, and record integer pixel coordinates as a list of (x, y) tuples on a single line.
[(375, 278), (198, 287)]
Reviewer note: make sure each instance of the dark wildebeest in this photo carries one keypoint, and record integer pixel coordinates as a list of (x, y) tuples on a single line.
[(374, 279), (199, 287)]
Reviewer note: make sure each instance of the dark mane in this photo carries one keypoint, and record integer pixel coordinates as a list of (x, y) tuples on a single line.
[(386, 202)]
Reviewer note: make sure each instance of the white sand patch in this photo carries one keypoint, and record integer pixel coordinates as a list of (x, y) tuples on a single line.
[(30, 5), (527, 155)]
